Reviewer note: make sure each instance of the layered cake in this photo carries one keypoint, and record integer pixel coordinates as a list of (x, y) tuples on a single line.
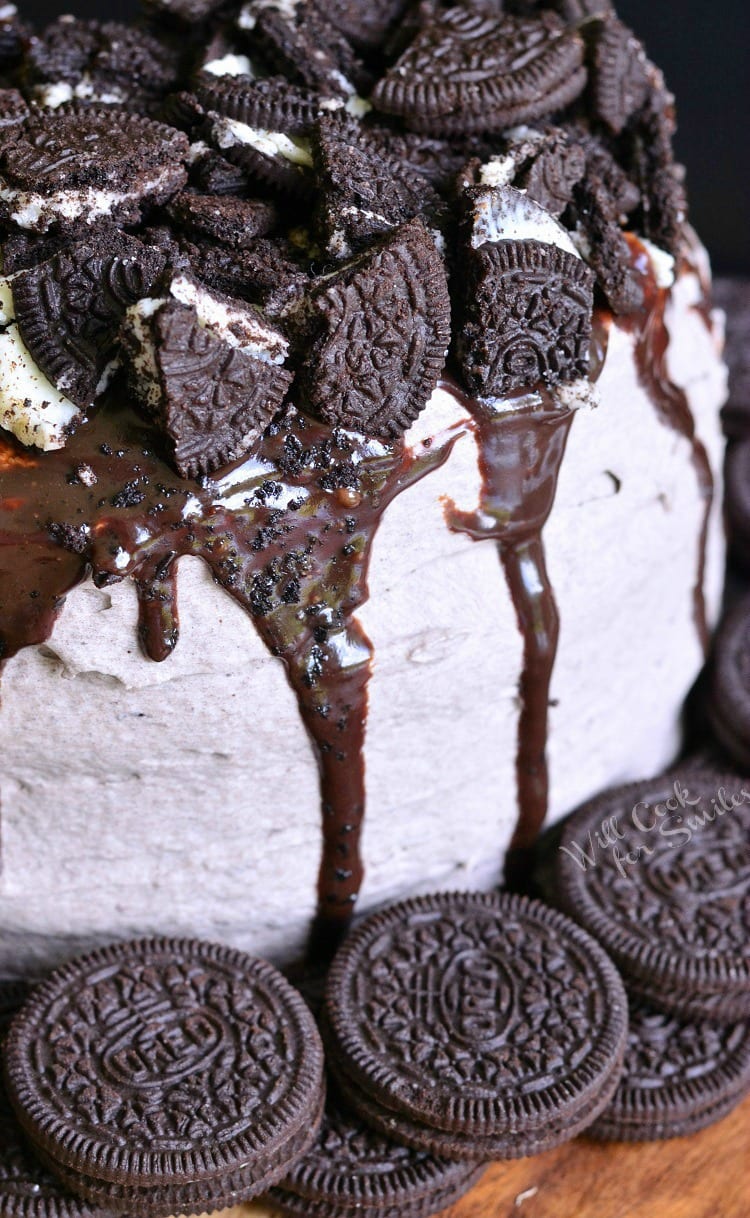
[(377, 337)]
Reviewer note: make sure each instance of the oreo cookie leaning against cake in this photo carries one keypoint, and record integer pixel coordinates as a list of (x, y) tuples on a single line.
[(375, 337)]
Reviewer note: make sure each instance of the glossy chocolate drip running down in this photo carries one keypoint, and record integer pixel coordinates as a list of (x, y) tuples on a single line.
[(288, 535)]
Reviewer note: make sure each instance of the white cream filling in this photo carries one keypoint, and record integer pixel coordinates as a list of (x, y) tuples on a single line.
[(37, 212), (59, 92), (498, 171), (228, 132), (30, 406), (237, 327), (230, 65), (506, 214), (247, 19)]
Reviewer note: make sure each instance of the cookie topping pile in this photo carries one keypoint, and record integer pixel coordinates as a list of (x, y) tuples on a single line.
[(396, 189)]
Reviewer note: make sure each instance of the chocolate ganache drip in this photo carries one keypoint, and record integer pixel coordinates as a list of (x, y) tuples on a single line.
[(288, 534)]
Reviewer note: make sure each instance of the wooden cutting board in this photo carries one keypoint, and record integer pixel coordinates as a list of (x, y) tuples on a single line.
[(703, 1176)]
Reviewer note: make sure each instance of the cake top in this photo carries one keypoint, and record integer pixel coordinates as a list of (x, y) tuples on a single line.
[(348, 200)]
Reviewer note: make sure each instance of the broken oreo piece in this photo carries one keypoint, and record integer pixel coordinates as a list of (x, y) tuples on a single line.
[(299, 41), (619, 74), (527, 318), (81, 163), (209, 370), (69, 309), (230, 221), (363, 190), (375, 336), (469, 71)]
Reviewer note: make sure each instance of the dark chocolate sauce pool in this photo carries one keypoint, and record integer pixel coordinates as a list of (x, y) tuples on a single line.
[(288, 535)]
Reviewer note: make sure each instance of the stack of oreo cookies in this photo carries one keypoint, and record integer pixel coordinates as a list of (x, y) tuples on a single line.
[(164, 1076), (659, 873)]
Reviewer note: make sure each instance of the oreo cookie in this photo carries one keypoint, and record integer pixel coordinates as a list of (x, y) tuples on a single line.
[(84, 164), (14, 37), (69, 309), (165, 1072), (619, 74), (209, 370), (679, 1076), (663, 209), (482, 1026), (230, 221), (607, 249), (733, 296), (213, 174), (659, 873), (13, 111), (363, 192), (365, 25), (375, 336), (467, 70), (351, 1170), (101, 62), (263, 127), (298, 40), (729, 688), (526, 317)]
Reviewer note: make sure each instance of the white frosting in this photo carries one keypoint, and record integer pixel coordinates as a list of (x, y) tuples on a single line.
[(228, 132), (506, 214), (230, 65), (37, 212), (247, 19), (105, 827), (662, 262)]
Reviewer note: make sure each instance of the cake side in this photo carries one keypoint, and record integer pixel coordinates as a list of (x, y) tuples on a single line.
[(166, 796)]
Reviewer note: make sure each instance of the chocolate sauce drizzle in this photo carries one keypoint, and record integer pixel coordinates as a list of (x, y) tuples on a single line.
[(521, 448), (672, 406), (288, 534)]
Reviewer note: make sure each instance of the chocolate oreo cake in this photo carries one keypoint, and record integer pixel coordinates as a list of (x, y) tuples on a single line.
[(373, 336)]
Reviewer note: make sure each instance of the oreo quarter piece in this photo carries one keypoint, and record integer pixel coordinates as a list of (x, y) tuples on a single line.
[(659, 873), (375, 336), (527, 319), (490, 1026), (230, 221), (81, 163), (469, 70), (351, 1169), (163, 1064), (679, 1076)]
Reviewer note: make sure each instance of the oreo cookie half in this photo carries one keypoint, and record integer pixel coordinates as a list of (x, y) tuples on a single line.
[(679, 1076), (659, 873), (69, 309), (468, 70), (151, 1070), (81, 163), (209, 370), (619, 74), (375, 336), (488, 1026), (350, 1169)]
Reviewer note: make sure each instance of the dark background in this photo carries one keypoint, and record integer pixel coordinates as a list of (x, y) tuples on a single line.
[(703, 49)]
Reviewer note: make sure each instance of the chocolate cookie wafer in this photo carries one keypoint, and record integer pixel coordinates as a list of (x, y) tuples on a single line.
[(659, 873), (159, 1073), (475, 1026), (351, 1169), (679, 1076)]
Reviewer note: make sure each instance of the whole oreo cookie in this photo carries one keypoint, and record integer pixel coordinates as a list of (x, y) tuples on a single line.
[(375, 336), (527, 315), (351, 1169), (488, 1026), (678, 1077), (659, 873), (467, 70), (155, 1069), (81, 163), (69, 309)]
